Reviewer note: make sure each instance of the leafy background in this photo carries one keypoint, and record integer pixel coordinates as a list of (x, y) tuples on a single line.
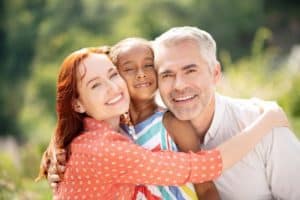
[(258, 46)]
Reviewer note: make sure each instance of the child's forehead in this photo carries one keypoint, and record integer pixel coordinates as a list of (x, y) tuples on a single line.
[(136, 45), (134, 48)]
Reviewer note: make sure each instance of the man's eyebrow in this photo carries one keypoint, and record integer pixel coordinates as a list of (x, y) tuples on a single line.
[(189, 66), (165, 72), (185, 67)]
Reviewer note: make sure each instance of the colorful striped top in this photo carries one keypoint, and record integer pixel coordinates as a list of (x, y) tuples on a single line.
[(151, 134)]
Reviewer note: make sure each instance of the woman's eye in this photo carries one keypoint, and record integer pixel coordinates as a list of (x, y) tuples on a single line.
[(115, 74), (95, 85)]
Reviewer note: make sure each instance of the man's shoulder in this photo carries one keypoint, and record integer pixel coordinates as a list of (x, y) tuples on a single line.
[(240, 106)]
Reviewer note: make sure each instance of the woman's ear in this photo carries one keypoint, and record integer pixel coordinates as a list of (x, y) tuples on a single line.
[(77, 106)]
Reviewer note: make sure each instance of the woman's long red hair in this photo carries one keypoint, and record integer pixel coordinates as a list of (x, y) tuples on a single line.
[(69, 122)]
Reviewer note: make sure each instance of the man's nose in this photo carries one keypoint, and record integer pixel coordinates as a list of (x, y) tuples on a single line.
[(179, 83)]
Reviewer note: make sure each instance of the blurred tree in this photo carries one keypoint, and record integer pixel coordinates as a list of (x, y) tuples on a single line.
[(283, 18), (37, 34), (20, 20)]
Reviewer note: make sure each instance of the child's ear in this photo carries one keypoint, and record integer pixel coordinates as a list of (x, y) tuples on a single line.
[(77, 106)]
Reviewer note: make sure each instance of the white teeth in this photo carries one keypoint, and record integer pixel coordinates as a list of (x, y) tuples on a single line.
[(183, 98), (143, 85), (114, 100)]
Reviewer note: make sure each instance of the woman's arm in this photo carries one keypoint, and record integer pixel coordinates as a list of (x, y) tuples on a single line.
[(238, 146), (120, 161)]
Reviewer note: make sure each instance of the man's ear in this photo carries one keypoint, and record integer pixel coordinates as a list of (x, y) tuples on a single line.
[(77, 106), (217, 73)]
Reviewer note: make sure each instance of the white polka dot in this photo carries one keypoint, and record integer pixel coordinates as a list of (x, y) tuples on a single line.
[(141, 165)]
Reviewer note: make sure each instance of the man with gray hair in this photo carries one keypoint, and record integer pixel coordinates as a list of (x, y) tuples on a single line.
[(188, 71)]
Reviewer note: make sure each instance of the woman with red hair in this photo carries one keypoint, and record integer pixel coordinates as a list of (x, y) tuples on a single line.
[(103, 162)]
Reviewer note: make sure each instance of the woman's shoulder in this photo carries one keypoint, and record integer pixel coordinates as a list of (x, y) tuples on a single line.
[(85, 140), (96, 139)]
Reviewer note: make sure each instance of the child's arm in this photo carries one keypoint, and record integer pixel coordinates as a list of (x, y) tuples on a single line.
[(182, 133), (187, 140)]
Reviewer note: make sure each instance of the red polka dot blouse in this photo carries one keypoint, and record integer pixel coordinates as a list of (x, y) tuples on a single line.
[(105, 164)]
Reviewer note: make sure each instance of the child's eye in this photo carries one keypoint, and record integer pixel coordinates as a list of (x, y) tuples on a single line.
[(128, 69), (149, 65)]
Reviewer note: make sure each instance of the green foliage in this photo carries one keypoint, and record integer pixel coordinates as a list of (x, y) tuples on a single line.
[(18, 172), (36, 35), (257, 76), (291, 99)]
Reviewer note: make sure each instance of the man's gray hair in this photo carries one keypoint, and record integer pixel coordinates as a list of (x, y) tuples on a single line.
[(176, 35)]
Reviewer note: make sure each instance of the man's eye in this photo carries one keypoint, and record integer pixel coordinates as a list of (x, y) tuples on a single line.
[(166, 76), (190, 71)]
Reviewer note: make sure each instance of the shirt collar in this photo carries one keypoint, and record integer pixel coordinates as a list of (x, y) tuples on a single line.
[(217, 118), (91, 124)]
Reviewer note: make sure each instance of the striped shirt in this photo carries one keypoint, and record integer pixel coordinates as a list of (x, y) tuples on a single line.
[(151, 134)]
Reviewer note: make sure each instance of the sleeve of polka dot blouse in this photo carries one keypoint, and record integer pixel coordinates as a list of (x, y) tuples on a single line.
[(125, 162)]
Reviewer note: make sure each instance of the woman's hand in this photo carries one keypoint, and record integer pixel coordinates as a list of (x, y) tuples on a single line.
[(272, 113)]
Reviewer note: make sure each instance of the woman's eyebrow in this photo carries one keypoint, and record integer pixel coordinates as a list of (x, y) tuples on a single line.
[(92, 79)]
